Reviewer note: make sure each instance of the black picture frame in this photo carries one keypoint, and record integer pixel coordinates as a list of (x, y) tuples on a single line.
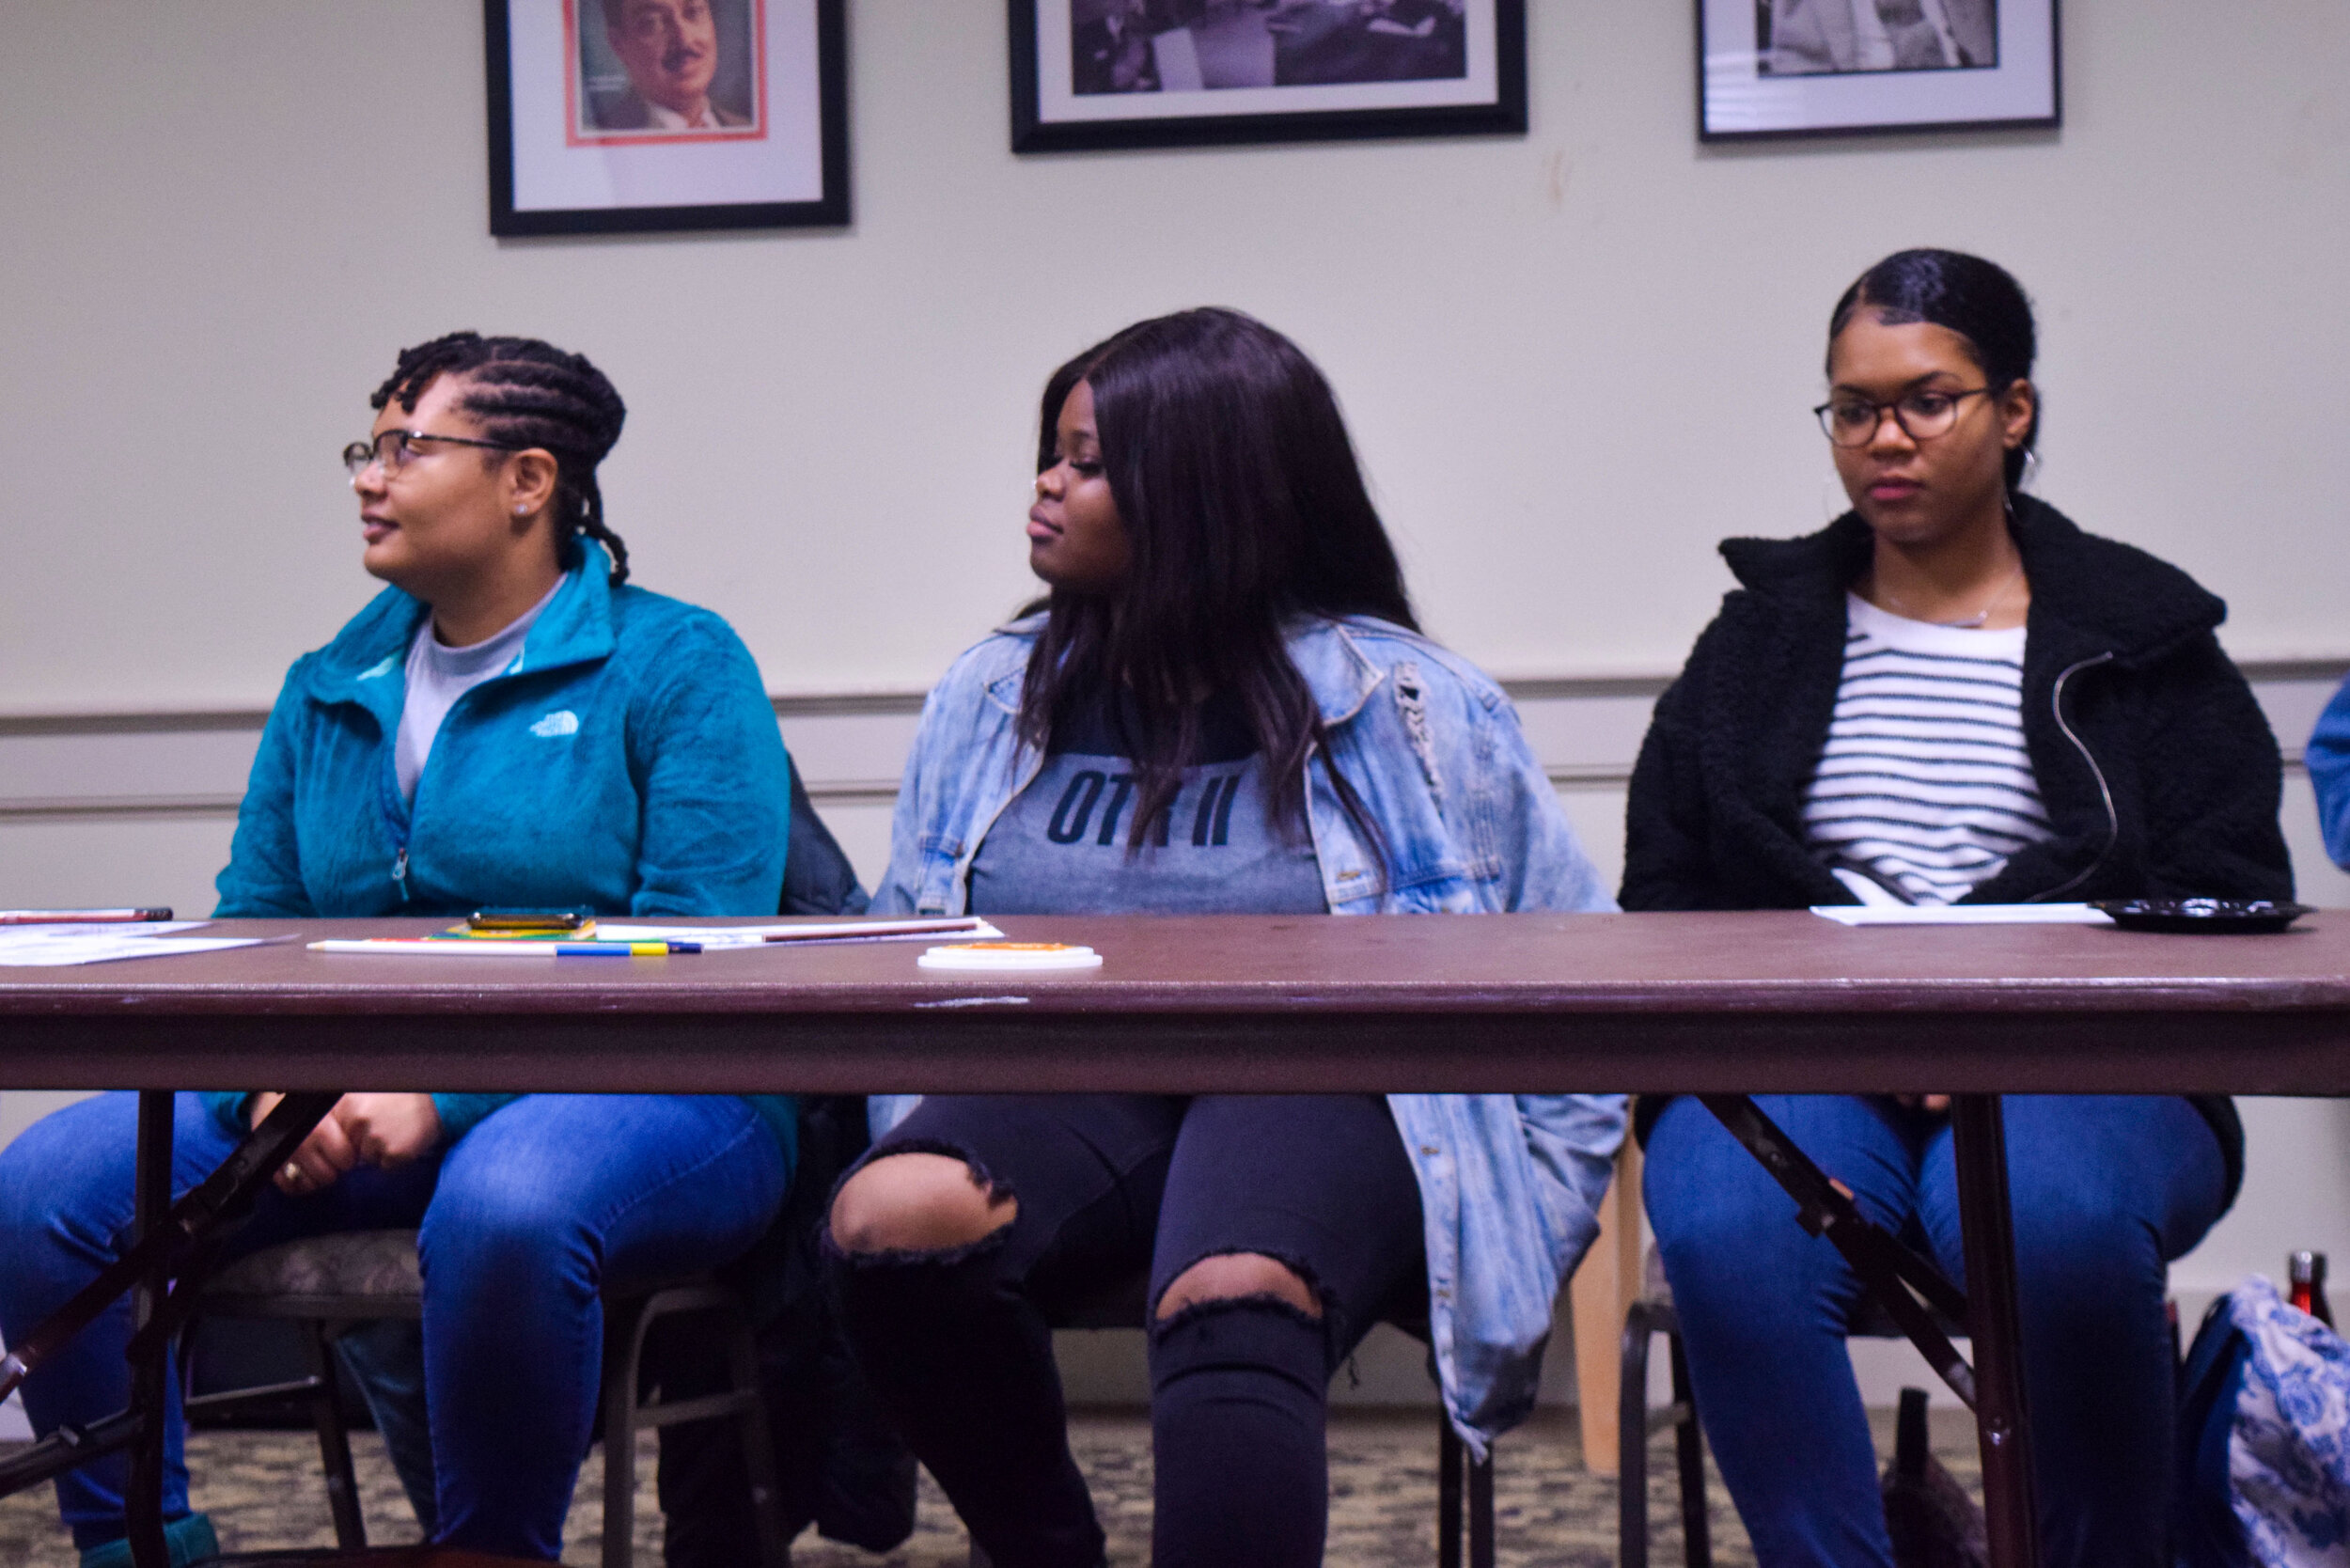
[(827, 206), (2021, 90), (1501, 113)]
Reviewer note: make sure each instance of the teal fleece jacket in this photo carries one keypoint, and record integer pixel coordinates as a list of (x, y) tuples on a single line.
[(627, 762)]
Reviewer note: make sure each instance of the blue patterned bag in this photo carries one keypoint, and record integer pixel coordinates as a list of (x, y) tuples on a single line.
[(2264, 1437)]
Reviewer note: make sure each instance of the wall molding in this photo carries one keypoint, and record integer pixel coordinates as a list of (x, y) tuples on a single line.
[(881, 700), (27, 808), (848, 741)]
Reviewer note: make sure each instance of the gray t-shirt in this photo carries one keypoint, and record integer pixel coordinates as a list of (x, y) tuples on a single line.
[(439, 675), (1060, 846)]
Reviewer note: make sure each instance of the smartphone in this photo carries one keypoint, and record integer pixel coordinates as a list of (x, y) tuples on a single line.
[(528, 919)]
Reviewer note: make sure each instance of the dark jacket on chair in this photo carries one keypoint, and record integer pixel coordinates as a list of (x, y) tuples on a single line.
[(842, 1467), (2157, 766)]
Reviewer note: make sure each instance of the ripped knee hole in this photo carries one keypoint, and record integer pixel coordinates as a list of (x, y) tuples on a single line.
[(917, 1201), (1232, 1276)]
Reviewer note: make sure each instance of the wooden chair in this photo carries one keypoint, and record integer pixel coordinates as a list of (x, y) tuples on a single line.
[(325, 1284), (1603, 1289)]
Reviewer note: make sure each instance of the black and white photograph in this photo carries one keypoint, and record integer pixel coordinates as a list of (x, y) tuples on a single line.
[(1828, 37), (1173, 72), (1195, 45), (667, 67), (1793, 67), (649, 116)]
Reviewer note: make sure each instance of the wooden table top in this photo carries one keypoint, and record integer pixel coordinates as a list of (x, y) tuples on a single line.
[(1529, 1003)]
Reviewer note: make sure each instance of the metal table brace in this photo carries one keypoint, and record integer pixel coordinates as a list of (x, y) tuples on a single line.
[(1911, 1289), (169, 1243)]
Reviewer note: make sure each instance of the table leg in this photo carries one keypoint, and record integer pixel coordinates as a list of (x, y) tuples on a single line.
[(150, 1365), (1979, 1141), (169, 1242)]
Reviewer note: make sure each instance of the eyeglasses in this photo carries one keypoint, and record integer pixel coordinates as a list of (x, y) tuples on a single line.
[(393, 448), (1923, 416)]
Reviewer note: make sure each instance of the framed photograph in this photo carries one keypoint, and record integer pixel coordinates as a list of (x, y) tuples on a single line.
[(1090, 73), (1821, 68), (635, 116)]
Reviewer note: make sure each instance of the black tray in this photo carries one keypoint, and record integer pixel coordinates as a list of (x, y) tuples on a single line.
[(2203, 916)]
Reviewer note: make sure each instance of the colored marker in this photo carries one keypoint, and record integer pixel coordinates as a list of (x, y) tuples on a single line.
[(425, 947)]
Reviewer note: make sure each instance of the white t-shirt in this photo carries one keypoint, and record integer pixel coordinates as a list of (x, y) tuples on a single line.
[(438, 675), (1924, 788)]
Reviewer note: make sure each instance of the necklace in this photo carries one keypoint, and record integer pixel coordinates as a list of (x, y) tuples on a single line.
[(1963, 623)]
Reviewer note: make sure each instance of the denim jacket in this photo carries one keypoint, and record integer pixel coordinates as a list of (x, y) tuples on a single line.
[(1509, 1185)]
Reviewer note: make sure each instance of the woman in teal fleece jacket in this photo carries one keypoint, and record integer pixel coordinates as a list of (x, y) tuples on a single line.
[(508, 723)]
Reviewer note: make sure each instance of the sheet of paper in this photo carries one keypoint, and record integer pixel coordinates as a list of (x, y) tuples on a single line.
[(86, 928), (970, 929), (91, 947), (1962, 914)]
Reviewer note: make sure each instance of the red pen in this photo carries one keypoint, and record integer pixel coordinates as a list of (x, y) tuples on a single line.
[(78, 917)]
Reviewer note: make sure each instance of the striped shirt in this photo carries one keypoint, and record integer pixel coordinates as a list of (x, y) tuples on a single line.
[(1924, 788)]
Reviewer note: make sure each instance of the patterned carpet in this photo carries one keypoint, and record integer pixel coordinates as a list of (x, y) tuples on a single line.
[(263, 1491)]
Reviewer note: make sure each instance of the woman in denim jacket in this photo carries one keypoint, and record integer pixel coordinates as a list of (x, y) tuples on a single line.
[(1205, 532)]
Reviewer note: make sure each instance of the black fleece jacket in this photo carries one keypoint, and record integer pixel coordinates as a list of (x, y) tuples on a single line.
[(2167, 786)]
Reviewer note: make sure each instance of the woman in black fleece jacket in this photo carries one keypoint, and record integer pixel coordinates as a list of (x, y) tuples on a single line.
[(1772, 779)]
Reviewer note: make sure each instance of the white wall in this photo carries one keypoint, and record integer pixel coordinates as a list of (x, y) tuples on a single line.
[(1573, 360)]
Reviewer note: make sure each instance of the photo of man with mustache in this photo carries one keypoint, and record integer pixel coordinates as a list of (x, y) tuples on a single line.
[(670, 52)]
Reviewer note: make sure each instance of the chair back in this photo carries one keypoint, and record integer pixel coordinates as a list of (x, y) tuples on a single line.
[(817, 876)]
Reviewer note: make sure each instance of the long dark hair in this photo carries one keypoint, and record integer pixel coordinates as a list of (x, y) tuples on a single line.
[(1979, 300), (1244, 506), (528, 393)]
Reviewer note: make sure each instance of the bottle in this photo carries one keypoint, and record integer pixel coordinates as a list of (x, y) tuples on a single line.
[(2308, 1290)]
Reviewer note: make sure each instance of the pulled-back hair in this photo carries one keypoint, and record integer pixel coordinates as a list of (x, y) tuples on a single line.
[(1979, 300), (526, 393), (1243, 507)]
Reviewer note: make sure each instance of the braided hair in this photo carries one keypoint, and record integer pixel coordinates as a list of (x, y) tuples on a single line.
[(527, 393)]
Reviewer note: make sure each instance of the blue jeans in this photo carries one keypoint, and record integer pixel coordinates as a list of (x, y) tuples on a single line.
[(522, 1223), (2106, 1192)]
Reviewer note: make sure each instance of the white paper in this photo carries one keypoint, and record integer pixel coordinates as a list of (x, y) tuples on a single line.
[(769, 933), (101, 928), (1016, 957), (87, 946), (1964, 915)]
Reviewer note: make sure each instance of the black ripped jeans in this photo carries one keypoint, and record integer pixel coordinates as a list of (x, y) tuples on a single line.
[(960, 1347)]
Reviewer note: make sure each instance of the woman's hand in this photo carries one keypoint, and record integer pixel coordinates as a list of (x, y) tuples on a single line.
[(386, 1130)]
